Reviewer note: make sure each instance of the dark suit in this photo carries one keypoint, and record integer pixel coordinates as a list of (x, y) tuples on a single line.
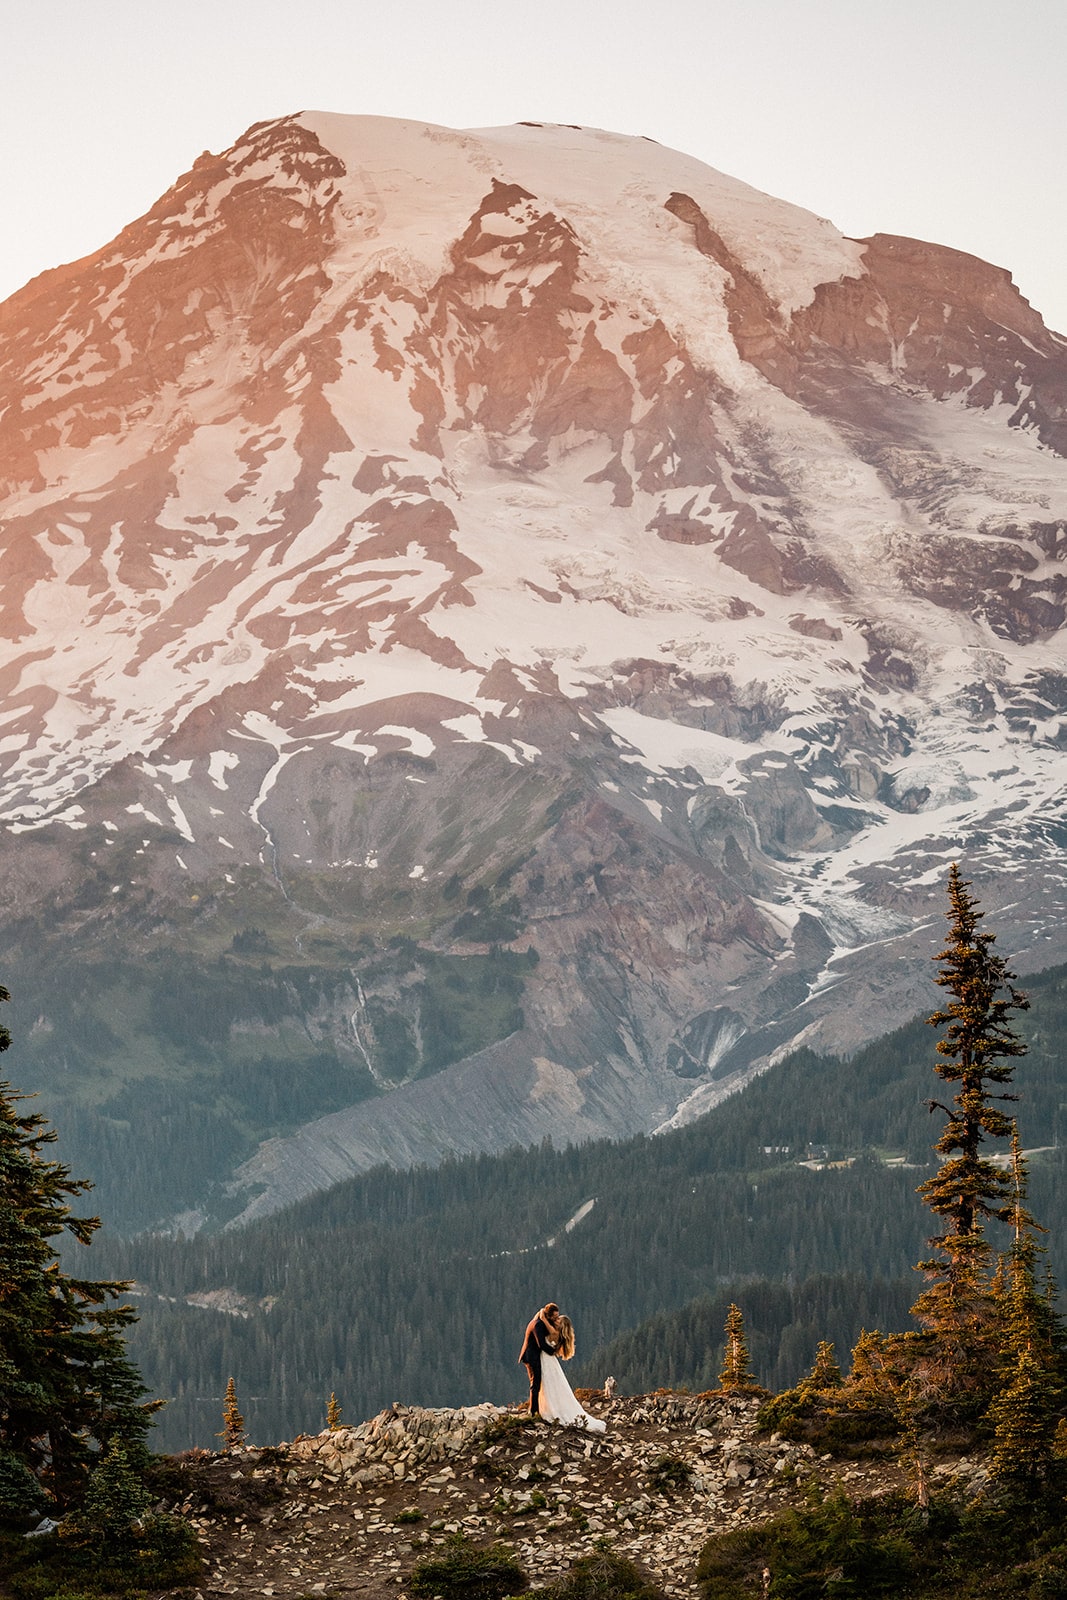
[(540, 1335)]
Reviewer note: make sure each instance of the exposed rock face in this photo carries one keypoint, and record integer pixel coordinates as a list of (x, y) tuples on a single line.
[(948, 323), (518, 545)]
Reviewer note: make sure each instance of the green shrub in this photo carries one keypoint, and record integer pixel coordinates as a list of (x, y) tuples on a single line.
[(1048, 1577), (65, 1592), (602, 1575), (829, 1547), (162, 1553), (836, 1420), (887, 1546), (731, 1565), (509, 1426), (460, 1570), (669, 1472)]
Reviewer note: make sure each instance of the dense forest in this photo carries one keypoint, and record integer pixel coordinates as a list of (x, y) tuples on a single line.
[(415, 1286)]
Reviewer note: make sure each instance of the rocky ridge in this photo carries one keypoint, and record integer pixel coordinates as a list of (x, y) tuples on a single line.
[(350, 1512)]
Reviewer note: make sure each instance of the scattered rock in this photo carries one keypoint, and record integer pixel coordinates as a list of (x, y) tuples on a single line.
[(350, 1512)]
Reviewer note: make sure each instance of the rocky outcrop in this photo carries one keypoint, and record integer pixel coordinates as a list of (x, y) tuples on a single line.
[(355, 1509), (394, 1444), (945, 322)]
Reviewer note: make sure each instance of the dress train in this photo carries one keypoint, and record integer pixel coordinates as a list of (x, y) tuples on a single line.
[(558, 1402)]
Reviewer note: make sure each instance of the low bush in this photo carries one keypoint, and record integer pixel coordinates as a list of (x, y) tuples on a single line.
[(602, 1575), (509, 1426), (889, 1546), (669, 1472), (163, 1553), (839, 1420), (461, 1570), (111, 1544), (831, 1546)]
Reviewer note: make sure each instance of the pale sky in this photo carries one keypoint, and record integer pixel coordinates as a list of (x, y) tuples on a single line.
[(942, 119)]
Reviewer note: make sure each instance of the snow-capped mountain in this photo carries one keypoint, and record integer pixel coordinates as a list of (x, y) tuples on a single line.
[(425, 545)]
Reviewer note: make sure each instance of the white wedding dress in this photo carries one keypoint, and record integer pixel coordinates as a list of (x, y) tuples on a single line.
[(558, 1403)]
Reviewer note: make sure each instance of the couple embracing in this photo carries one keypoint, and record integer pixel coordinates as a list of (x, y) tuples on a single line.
[(550, 1340)]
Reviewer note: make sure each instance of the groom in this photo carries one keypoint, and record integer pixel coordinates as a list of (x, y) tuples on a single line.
[(542, 1333)]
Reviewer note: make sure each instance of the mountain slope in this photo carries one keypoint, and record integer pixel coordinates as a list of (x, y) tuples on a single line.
[(520, 622)]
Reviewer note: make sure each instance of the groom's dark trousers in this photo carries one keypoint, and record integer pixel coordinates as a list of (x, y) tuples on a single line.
[(537, 1338)]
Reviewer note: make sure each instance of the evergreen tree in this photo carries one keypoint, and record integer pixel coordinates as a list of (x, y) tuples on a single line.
[(1030, 1319), (1026, 1411), (333, 1413), (115, 1502), (20, 1492), (67, 1387), (825, 1373), (868, 1363), (958, 1309), (735, 1372), (233, 1424), (1025, 1418)]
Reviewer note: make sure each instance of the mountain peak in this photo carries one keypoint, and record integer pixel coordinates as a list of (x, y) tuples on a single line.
[(713, 558)]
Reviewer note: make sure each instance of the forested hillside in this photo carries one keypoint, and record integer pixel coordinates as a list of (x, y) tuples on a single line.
[(414, 1286)]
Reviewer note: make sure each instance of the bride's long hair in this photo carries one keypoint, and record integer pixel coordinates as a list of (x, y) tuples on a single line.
[(565, 1348)]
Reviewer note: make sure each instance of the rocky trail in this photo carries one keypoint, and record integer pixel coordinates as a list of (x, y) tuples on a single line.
[(350, 1512)]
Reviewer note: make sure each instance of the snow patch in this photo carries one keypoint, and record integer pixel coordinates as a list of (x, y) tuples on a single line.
[(219, 763), (672, 747), (149, 816), (181, 821), (176, 771), (420, 744)]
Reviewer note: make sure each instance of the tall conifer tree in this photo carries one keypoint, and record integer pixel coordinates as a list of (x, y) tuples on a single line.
[(67, 1388), (1026, 1411), (1031, 1320), (735, 1373), (958, 1310), (233, 1423)]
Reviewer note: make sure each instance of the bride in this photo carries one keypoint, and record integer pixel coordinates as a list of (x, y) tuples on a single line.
[(558, 1403)]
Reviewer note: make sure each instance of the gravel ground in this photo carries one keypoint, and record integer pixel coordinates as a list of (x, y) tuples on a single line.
[(350, 1513)]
